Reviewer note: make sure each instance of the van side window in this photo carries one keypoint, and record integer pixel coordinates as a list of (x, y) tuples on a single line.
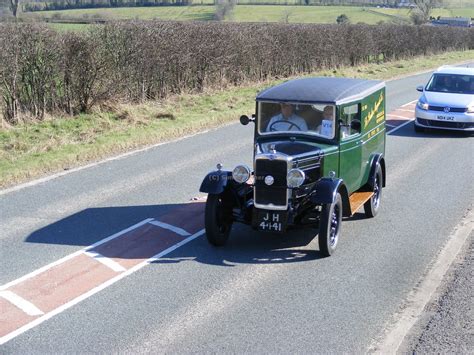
[(350, 121)]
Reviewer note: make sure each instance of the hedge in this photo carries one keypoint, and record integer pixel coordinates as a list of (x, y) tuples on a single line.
[(44, 71)]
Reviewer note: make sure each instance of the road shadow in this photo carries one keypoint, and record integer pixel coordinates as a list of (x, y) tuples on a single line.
[(93, 224), (409, 131), (245, 245)]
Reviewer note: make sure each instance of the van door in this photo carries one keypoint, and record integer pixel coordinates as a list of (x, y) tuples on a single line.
[(350, 146)]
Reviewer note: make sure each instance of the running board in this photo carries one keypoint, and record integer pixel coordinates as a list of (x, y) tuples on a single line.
[(357, 199)]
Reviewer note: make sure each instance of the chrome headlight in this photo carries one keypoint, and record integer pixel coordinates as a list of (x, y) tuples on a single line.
[(241, 173), (422, 104), (295, 178), (470, 109)]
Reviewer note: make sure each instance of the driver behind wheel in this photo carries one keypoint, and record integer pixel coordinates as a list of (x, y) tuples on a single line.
[(287, 120)]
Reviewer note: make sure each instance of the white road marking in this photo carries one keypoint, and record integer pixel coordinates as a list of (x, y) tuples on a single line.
[(99, 288), (390, 125), (170, 227), (402, 109), (70, 256), (398, 116), (419, 297), (398, 127), (110, 263), (409, 103), (26, 306)]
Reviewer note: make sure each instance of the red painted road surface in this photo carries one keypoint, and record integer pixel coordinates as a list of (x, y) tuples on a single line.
[(40, 296)]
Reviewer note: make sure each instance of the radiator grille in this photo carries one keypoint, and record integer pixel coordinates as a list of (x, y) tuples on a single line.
[(276, 193)]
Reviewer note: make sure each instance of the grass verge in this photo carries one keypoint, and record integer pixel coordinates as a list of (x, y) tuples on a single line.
[(60, 143)]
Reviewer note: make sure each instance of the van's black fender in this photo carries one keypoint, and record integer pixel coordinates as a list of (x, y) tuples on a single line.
[(377, 159), (326, 190), (216, 181)]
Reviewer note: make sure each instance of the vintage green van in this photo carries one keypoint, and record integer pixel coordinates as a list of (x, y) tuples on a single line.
[(319, 156)]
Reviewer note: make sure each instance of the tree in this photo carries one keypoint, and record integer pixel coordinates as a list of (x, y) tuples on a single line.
[(286, 15), (421, 13), (343, 19), (224, 9), (14, 7)]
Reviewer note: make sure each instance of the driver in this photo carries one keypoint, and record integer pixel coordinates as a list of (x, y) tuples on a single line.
[(287, 120)]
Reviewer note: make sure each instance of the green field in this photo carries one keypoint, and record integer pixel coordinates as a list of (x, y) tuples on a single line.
[(242, 13)]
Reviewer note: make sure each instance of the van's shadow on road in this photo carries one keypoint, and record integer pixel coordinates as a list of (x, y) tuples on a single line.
[(245, 245)]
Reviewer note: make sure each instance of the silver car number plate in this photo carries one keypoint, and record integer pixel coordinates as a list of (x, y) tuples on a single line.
[(445, 118)]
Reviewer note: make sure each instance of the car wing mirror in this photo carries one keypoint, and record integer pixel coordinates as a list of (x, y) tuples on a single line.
[(244, 119), (419, 88)]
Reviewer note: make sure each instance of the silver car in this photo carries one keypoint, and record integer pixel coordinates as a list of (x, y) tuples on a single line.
[(447, 101)]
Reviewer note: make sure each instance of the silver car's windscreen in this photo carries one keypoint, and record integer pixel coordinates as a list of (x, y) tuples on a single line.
[(316, 119), (451, 83)]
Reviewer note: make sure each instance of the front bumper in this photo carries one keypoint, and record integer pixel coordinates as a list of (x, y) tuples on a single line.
[(454, 121)]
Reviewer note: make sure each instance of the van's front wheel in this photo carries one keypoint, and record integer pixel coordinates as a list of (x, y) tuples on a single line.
[(330, 226), (217, 219)]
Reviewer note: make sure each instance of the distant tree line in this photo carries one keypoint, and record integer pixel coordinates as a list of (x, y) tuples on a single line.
[(45, 71), (91, 4), (81, 4)]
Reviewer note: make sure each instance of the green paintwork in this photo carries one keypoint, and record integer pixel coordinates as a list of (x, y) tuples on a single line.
[(356, 151)]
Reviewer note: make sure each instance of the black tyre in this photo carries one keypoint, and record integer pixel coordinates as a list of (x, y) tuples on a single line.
[(371, 207), (330, 226), (217, 220)]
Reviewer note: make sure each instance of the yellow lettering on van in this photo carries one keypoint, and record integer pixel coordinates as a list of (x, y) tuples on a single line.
[(372, 113)]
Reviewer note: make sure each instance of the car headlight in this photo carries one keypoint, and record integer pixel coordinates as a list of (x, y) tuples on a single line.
[(295, 178), (241, 173), (470, 109), (422, 104)]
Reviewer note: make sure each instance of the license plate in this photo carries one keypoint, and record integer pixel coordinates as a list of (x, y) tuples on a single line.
[(445, 118), (272, 221)]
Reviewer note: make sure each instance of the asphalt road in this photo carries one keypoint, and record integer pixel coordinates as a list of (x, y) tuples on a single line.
[(447, 326), (260, 293)]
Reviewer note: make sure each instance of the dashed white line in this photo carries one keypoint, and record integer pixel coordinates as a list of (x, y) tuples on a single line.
[(26, 306), (106, 261), (170, 227)]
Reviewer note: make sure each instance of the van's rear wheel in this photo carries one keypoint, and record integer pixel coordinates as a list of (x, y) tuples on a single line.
[(217, 219), (330, 226), (371, 207)]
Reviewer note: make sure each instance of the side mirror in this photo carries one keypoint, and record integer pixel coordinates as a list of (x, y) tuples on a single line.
[(419, 88), (355, 125), (244, 119)]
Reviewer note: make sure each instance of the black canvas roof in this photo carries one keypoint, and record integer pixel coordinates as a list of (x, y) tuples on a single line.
[(322, 89)]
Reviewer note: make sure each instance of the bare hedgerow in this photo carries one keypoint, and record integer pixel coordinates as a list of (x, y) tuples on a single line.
[(87, 76), (28, 72), (44, 71)]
